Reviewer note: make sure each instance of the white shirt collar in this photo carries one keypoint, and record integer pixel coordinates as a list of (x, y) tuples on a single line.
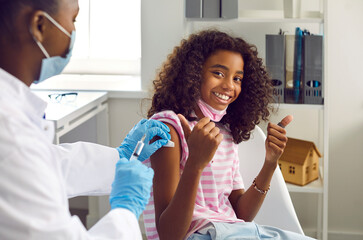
[(31, 103)]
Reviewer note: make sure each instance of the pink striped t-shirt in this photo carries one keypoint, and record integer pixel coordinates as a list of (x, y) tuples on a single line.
[(218, 179)]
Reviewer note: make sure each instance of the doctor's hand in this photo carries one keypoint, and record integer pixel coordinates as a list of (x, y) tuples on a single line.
[(131, 186), (149, 127), (276, 140)]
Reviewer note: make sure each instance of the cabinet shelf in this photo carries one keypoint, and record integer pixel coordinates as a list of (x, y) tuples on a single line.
[(258, 20), (280, 20), (298, 106), (313, 187)]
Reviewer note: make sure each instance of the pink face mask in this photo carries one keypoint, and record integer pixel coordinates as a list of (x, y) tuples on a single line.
[(208, 111)]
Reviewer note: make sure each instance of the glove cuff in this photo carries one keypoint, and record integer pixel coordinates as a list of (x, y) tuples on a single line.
[(127, 203)]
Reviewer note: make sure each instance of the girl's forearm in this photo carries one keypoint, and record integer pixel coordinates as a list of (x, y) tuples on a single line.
[(175, 220), (251, 201)]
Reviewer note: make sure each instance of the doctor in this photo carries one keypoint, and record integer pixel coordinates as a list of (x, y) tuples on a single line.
[(37, 177)]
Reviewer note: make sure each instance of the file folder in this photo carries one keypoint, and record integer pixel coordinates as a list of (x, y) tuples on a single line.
[(289, 60), (229, 9), (313, 69), (298, 65), (275, 64), (211, 8), (193, 8)]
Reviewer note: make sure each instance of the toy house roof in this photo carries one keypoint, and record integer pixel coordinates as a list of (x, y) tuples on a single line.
[(297, 151)]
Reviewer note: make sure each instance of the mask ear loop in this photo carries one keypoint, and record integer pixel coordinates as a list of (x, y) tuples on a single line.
[(39, 44), (57, 24), (42, 48)]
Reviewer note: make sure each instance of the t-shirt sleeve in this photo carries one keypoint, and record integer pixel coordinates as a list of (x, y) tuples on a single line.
[(173, 119)]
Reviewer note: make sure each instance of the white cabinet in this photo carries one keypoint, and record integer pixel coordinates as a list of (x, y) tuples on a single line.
[(310, 121)]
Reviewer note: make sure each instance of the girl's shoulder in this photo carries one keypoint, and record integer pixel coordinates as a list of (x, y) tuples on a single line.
[(167, 116), (164, 114), (171, 118)]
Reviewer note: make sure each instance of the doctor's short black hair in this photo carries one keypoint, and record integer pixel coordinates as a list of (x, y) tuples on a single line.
[(10, 9), (177, 85)]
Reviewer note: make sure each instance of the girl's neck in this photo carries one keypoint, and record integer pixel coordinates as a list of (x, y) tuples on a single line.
[(198, 112)]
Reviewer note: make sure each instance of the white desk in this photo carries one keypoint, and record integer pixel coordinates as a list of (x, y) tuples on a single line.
[(69, 115)]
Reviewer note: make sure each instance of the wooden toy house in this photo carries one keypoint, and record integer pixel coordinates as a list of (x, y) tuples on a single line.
[(299, 163)]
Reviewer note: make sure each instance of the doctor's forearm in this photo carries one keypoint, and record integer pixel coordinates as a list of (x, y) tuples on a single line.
[(87, 168)]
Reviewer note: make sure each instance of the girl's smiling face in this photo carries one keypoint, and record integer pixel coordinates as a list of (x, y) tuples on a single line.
[(222, 78)]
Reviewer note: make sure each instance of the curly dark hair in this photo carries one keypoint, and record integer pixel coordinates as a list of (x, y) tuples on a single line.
[(177, 86)]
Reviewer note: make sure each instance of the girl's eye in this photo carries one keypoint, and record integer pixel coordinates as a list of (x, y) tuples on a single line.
[(219, 74), (238, 79)]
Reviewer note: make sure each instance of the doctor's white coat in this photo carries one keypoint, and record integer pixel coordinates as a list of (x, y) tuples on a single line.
[(37, 177)]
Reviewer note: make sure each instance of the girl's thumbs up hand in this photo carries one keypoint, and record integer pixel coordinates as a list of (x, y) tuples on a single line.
[(203, 141), (276, 140)]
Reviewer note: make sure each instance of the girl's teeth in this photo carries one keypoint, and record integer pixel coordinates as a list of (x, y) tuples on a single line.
[(224, 97)]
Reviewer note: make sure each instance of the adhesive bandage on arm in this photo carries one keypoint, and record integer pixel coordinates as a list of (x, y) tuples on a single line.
[(169, 144)]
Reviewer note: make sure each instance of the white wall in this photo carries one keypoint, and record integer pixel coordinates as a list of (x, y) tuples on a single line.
[(123, 115), (162, 24), (162, 29), (345, 81)]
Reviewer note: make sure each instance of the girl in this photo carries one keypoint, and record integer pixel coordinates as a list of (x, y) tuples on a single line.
[(215, 85)]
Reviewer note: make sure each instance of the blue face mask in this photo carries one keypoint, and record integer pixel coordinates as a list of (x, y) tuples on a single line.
[(52, 66)]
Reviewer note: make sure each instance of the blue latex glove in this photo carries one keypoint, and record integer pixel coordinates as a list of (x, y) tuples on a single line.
[(152, 128), (131, 186)]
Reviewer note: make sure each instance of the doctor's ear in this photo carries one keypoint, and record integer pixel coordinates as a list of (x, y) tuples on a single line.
[(38, 25)]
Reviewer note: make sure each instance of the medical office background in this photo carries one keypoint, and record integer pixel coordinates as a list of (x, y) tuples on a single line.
[(119, 48)]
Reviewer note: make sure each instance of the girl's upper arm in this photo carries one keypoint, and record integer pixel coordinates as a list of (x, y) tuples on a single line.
[(165, 163)]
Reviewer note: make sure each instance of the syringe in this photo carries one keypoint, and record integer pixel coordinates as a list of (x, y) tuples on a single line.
[(140, 145)]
